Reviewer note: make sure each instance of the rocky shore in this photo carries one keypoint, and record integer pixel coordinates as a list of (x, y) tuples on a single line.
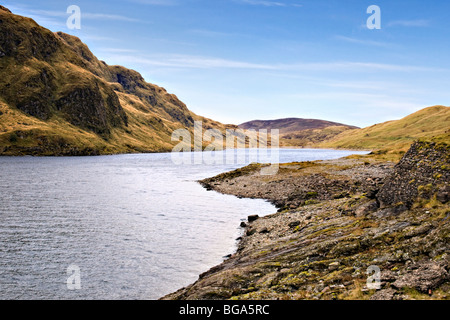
[(337, 221)]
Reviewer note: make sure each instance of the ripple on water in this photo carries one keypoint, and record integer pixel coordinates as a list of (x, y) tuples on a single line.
[(138, 226)]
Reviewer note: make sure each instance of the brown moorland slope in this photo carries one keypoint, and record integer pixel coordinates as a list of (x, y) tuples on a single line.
[(57, 98)]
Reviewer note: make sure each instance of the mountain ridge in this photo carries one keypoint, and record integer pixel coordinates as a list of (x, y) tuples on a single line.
[(57, 98)]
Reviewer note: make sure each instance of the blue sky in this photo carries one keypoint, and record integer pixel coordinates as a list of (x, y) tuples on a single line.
[(239, 60)]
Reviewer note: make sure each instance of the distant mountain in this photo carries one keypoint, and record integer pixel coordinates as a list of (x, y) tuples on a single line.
[(298, 131), (398, 135), (57, 98), (290, 125)]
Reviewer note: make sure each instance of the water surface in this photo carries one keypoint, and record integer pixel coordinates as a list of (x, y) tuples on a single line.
[(138, 226)]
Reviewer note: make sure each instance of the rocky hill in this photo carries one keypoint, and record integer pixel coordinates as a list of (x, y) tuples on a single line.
[(337, 221), (57, 98)]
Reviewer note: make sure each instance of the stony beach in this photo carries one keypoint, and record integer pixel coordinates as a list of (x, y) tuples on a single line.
[(336, 220)]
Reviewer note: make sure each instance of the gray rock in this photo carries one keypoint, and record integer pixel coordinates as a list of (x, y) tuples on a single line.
[(366, 208), (425, 276), (443, 194), (385, 294)]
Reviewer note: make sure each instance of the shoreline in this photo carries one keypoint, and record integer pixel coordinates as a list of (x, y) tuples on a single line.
[(94, 153), (335, 219)]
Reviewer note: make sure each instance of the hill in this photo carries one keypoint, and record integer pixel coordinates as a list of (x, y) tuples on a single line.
[(57, 98), (298, 131), (398, 135), (290, 125)]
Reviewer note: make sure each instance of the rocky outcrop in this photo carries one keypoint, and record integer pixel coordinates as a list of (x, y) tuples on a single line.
[(297, 184), (327, 248), (422, 172), (38, 77)]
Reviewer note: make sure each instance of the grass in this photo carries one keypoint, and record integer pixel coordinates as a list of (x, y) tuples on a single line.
[(394, 137)]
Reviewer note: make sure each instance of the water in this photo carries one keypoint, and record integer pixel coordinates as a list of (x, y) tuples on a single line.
[(137, 226)]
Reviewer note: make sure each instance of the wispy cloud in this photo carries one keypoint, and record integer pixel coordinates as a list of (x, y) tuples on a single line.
[(94, 37), (117, 50), (201, 62), (389, 102), (104, 16), (214, 33), (157, 2), (50, 15), (267, 3), (409, 23), (194, 62), (363, 41)]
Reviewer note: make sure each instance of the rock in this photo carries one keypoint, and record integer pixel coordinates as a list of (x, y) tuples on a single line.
[(416, 175), (390, 211), (333, 266), (425, 276), (243, 224), (385, 294), (414, 232), (253, 218), (443, 194), (366, 208), (294, 224), (263, 231), (371, 194), (325, 289)]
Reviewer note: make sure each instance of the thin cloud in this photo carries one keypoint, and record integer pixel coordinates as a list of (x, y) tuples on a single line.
[(97, 38), (196, 62), (156, 2), (213, 33), (363, 42), (267, 3), (104, 16), (117, 50), (409, 23), (50, 15), (201, 62)]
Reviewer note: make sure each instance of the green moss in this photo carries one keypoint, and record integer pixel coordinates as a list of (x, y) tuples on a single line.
[(311, 195), (415, 294)]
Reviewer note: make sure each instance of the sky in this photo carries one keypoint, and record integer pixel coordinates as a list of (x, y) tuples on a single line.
[(240, 60)]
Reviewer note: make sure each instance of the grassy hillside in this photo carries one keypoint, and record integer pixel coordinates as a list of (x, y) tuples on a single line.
[(57, 98), (397, 136)]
